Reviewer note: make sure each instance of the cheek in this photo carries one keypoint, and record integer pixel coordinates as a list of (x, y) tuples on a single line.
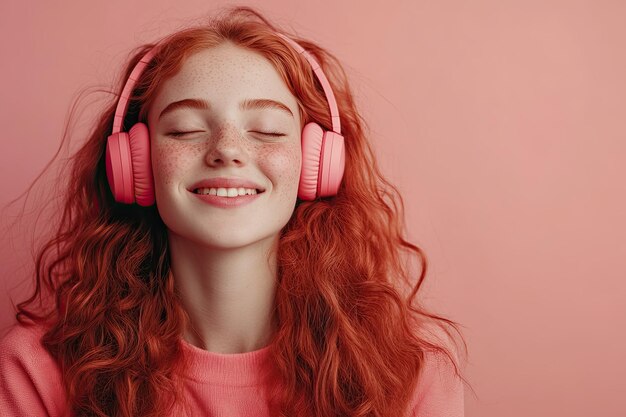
[(283, 164), (170, 159)]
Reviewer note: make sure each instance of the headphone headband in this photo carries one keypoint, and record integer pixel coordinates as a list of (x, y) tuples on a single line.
[(328, 91), (122, 105)]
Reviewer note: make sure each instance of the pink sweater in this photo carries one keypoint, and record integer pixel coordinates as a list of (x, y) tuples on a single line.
[(217, 384)]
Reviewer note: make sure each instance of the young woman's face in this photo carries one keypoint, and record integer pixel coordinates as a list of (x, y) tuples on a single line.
[(228, 139)]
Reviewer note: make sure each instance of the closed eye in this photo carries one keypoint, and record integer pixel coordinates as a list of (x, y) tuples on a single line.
[(178, 134), (271, 133)]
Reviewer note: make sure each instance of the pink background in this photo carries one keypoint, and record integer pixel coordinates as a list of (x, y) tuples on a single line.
[(502, 122)]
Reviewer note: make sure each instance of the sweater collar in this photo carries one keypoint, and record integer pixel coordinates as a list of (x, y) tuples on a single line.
[(234, 369)]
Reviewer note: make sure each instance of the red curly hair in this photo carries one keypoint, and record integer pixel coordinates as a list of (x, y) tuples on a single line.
[(344, 291)]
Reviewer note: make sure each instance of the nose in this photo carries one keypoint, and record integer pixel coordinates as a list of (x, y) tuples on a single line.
[(226, 146)]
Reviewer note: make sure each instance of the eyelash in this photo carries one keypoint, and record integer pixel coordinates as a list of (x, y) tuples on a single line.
[(178, 134)]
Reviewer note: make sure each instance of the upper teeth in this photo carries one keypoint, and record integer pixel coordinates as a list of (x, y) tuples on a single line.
[(226, 192)]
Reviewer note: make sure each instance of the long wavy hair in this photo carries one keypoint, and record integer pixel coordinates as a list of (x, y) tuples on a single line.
[(351, 333)]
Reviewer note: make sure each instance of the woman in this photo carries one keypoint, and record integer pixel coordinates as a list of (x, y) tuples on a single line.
[(236, 253)]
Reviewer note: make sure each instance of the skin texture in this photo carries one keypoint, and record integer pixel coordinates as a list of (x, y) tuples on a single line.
[(223, 259)]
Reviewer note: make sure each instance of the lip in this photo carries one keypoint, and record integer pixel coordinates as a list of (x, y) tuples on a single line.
[(226, 182)]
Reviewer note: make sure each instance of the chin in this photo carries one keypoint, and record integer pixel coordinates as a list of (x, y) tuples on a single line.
[(222, 239)]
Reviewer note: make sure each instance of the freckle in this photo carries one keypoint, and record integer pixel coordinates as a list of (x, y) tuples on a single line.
[(168, 160)]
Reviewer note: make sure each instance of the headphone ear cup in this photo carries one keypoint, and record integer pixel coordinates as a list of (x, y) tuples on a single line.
[(119, 168), (323, 162), (128, 166), (312, 140), (333, 163), (141, 163)]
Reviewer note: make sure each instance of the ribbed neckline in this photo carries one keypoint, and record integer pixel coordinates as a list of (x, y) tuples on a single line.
[(233, 369)]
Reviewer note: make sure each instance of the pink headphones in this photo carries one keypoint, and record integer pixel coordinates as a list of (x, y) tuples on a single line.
[(129, 170)]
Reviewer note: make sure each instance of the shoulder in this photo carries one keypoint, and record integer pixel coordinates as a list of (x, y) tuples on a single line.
[(439, 391), (22, 344), (31, 380), (25, 335)]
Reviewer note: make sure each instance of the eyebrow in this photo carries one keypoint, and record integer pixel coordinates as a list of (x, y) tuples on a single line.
[(198, 103)]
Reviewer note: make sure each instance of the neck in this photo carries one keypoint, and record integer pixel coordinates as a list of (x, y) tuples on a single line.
[(227, 293)]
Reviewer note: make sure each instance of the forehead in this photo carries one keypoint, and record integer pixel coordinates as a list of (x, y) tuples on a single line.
[(225, 74)]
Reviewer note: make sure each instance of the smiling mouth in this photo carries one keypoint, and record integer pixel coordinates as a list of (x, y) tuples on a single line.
[(221, 193)]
